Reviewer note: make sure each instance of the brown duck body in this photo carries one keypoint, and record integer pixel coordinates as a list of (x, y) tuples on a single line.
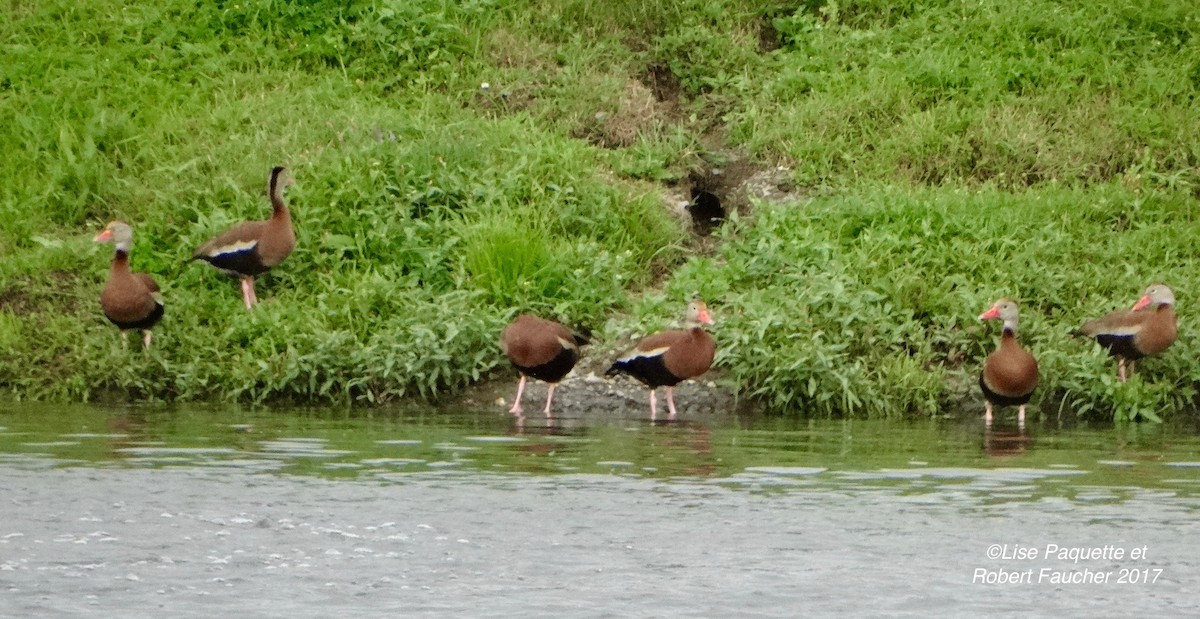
[(130, 300), (668, 357), (1133, 334), (251, 247), (1009, 374), (254, 247), (540, 348), (1129, 335)]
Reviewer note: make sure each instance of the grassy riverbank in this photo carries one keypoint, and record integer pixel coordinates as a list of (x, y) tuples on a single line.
[(936, 154), (868, 301)]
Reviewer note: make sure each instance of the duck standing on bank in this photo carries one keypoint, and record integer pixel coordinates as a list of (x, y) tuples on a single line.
[(1146, 329), (254, 247), (1010, 373), (129, 300), (542, 349), (667, 358)]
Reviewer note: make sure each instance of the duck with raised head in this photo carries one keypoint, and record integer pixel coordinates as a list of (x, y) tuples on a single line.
[(667, 358), (1010, 373), (254, 247), (129, 300), (542, 349), (1148, 328)]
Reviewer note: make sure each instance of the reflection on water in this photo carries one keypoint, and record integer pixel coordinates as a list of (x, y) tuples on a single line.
[(1001, 441), (202, 512), (733, 450)]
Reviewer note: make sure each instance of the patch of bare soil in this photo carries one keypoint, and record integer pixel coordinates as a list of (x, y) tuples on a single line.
[(638, 111), (769, 38), (663, 83), (735, 183), (16, 300), (23, 296)]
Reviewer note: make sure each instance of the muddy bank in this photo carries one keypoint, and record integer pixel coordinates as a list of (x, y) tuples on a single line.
[(589, 393)]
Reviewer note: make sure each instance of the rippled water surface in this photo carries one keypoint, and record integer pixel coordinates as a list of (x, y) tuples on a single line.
[(199, 512)]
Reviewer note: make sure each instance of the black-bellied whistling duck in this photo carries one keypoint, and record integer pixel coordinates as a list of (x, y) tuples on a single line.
[(130, 300), (1146, 329), (254, 247), (1010, 373), (669, 357), (542, 349)]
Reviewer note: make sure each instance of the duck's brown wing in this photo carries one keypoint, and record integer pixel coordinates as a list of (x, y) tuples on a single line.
[(235, 238), (235, 249), (148, 281), (1121, 322)]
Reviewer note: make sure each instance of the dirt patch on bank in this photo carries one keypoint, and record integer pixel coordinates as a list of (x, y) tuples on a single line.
[(54, 290), (590, 394), (638, 111), (730, 183)]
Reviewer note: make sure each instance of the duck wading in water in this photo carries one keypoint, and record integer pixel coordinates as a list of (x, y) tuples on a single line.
[(1010, 373), (542, 349), (669, 357)]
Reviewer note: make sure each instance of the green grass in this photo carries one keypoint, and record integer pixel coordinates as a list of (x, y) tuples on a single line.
[(402, 279), (866, 303), (954, 152), (397, 287), (949, 92)]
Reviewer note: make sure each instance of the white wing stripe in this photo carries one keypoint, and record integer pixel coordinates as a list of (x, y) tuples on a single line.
[(645, 354), (236, 247)]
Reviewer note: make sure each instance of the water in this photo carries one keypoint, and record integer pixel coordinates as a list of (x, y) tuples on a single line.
[(199, 512)]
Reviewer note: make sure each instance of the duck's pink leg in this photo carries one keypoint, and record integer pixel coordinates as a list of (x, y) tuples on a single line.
[(549, 398), (516, 407), (248, 292)]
